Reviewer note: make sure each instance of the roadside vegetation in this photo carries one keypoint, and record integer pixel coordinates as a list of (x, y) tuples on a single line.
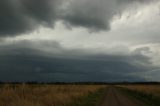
[(92, 99), (50, 95), (150, 94)]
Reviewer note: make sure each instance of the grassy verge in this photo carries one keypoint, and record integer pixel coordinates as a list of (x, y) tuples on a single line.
[(149, 99), (46, 95), (93, 99)]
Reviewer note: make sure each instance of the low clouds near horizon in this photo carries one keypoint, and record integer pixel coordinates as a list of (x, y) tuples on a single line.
[(79, 40)]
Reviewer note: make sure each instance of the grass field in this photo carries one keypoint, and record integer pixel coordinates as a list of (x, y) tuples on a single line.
[(150, 94), (71, 95), (46, 95), (148, 89)]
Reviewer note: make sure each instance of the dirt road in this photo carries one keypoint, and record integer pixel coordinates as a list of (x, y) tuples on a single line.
[(114, 97)]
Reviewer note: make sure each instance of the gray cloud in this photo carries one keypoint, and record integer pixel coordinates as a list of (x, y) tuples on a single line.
[(48, 60), (22, 16), (90, 13), (19, 63), (96, 14), (40, 68)]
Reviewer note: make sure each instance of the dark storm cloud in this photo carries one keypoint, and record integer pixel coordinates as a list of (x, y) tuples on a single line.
[(19, 63), (21, 16), (32, 67), (96, 14)]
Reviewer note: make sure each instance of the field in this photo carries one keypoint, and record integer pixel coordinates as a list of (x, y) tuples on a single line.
[(79, 95), (149, 94), (148, 89), (44, 95)]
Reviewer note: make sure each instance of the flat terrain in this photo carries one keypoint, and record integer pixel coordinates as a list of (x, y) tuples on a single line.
[(46, 95), (79, 95), (115, 97)]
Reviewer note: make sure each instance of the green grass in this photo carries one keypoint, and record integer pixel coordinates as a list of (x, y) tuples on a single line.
[(93, 99)]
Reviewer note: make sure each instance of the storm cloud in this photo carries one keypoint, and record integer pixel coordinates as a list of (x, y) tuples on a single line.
[(96, 14), (23, 16), (30, 64), (50, 40), (39, 68)]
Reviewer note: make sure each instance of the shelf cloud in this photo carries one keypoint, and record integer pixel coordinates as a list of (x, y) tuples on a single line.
[(79, 40)]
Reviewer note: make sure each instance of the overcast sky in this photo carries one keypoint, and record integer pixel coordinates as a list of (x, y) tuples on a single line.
[(79, 40)]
